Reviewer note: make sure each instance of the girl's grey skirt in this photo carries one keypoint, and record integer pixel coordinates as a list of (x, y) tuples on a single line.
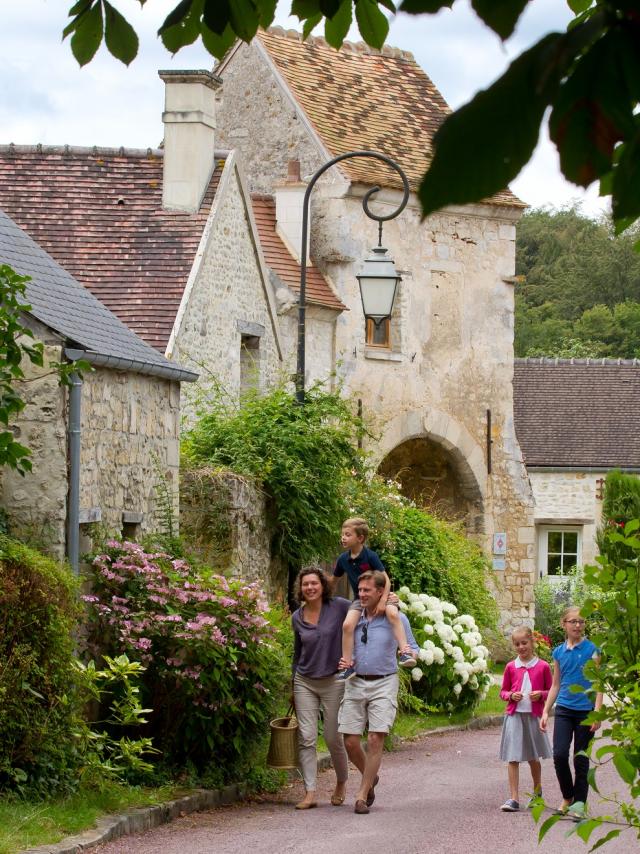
[(522, 740)]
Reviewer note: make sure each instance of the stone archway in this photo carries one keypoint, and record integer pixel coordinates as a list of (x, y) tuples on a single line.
[(438, 465)]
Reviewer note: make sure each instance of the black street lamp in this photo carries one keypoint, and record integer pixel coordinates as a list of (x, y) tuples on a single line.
[(378, 278)]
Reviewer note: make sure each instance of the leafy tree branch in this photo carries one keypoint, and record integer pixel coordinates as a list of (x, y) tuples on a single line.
[(588, 77)]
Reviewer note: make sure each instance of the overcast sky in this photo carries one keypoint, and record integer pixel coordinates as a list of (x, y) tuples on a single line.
[(46, 98)]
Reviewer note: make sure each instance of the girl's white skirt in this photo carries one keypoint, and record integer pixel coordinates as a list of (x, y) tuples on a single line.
[(522, 740)]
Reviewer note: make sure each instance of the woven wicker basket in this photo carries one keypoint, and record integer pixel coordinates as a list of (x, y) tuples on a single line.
[(283, 747)]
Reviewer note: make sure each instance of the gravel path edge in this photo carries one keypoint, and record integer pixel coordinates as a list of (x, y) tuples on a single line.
[(112, 827)]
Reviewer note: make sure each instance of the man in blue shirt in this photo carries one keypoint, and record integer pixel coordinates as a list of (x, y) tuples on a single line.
[(370, 697)]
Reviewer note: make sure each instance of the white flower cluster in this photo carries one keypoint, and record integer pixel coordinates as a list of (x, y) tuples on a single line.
[(449, 634)]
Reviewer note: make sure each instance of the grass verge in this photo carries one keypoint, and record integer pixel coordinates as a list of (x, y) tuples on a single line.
[(25, 824), (410, 725)]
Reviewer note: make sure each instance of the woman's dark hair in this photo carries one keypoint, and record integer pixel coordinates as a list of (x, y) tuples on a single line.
[(314, 569)]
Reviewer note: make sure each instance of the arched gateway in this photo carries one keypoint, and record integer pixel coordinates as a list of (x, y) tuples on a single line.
[(437, 464)]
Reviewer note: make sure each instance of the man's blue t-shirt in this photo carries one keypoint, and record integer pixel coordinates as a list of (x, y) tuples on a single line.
[(353, 567), (571, 663)]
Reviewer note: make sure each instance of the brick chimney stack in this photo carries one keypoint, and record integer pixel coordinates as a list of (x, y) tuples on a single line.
[(189, 130), (289, 200)]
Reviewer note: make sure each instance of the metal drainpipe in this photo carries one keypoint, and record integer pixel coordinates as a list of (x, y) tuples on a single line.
[(73, 512)]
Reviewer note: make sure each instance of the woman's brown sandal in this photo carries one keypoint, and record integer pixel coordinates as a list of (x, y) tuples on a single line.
[(337, 800)]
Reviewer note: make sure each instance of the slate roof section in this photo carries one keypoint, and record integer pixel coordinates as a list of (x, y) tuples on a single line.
[(578, 412), (64, 305), (280, 260), (362, 98), (98, 212)]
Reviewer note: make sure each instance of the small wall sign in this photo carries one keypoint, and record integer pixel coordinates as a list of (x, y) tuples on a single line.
[(500, 543), (499, 563)]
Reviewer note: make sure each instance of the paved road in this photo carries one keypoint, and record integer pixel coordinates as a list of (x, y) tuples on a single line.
[(440, 794)]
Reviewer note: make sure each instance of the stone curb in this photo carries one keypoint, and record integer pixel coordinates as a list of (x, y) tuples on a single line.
[(141, 819), (145, 818)]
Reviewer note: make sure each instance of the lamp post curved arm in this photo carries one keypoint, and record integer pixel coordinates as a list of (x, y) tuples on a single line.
[(300, 367)]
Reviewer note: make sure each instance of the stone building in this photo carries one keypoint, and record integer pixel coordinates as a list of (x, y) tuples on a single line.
[(172, 243), (127, 433), (576, 420), (436, 378), (165, 238)]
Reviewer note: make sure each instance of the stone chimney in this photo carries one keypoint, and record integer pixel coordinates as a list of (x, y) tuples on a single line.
[(289, 200), (189, 129)]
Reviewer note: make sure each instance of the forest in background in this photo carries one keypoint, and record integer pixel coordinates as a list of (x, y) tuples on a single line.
[(579, 292)]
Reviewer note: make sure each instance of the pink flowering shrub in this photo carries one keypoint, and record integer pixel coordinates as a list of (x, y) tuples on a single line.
[(213, 663)]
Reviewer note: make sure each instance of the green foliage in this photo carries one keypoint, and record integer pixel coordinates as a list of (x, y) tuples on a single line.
[(580, 290), (108, 751), (25, 823), (451, 672), (304, 456), (40, 692), (621, 503), (589, 77), (552, 596), (95, 20), (164, 501), (612, 607), (214, 667), (426, 554), (543, 646), (14, 347), (617, 604), (592, 118)]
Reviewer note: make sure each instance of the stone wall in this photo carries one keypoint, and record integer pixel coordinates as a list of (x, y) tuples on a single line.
[(130, 439), (225, 519), (252, 109), (320, 364), (36, 504), (128, 421), (570, 498), (227, 301)]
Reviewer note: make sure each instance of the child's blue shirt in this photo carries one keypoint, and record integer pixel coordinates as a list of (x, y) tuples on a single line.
[(571, 663), (353, 567)]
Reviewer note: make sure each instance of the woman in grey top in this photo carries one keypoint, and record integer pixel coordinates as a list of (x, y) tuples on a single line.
[(317, 632)]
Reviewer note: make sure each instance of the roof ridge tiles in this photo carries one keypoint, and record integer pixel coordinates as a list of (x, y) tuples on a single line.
[(354, 47), (122, 151), (553, 361)]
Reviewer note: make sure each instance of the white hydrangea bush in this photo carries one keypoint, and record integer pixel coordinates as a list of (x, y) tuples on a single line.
[(452, 670)]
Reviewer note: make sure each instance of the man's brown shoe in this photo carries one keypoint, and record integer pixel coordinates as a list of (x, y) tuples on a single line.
[(361, 808), (371, 795)]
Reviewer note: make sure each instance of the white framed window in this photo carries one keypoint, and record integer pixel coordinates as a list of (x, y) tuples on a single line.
[(559, 549)]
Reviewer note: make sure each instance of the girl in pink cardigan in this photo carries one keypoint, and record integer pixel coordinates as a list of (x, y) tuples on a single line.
[(525, 686)]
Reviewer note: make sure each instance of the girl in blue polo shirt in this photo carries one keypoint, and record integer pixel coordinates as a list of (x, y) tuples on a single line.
[(569, 659)]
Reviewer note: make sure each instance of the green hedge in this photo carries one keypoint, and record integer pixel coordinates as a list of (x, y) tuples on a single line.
[(39, 691)]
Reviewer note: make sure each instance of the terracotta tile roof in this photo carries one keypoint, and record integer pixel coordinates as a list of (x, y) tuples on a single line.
[(361, 98), (64, 305), (98, 213), (578, 412), (280, 260)]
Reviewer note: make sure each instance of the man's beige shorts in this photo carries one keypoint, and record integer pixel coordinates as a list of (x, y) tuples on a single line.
[(368, 703)]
